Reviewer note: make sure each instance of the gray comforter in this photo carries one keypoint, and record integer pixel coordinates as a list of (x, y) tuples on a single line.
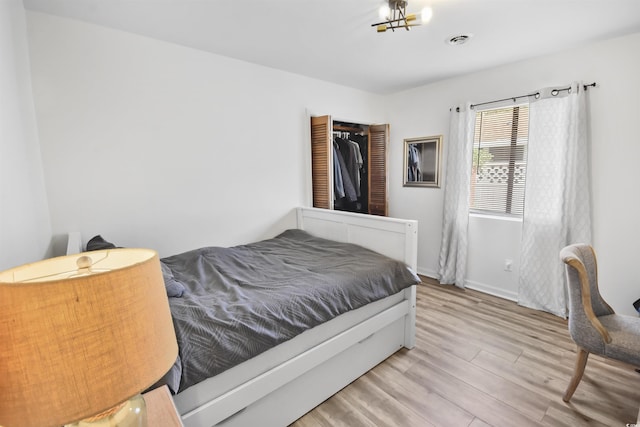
[(243, 300)]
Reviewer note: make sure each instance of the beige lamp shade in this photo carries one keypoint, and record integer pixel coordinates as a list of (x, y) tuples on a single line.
[(81, 335)]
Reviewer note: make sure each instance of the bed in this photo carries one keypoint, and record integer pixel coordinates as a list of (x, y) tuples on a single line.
[(277, 386)]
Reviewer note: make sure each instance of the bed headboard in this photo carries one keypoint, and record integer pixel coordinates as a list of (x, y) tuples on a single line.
[(395, 238)]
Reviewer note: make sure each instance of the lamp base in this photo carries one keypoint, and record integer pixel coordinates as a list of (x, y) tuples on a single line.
[(132, 413)]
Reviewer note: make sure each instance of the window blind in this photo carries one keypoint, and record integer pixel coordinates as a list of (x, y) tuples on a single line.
[(500, 160)]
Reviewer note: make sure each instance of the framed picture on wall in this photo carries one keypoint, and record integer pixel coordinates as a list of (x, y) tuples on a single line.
[(422, 157)]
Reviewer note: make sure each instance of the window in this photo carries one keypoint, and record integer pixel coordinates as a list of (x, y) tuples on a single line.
[(500, 160)]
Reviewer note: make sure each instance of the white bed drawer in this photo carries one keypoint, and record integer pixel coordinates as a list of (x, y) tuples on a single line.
[(316, 386), (374, 331)]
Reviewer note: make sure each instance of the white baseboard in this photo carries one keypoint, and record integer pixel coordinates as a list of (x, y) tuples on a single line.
[(428, 273), (492, 290), (477, 286)]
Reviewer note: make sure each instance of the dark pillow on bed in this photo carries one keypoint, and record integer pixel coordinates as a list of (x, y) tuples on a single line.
[(174, 288), (97, 243)]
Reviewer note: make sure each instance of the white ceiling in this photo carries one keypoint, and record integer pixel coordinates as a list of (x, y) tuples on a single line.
[(332, 40)]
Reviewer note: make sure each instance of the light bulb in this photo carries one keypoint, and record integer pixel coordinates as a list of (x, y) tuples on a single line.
[(384, 12), (426, 14)]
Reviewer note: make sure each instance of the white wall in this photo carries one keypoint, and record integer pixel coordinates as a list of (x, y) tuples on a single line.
[(25, 231), (154, 144), (615, 153), (158, 145)]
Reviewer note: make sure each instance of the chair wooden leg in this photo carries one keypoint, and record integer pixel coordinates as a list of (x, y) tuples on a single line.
[(581, 362)]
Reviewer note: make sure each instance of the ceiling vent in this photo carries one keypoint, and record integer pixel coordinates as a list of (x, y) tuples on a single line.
[(460, 39)]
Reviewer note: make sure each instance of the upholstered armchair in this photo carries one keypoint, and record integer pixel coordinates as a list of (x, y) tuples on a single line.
[(593, 325)]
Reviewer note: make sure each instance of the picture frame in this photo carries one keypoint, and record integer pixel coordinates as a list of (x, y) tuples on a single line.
[(422, 161)]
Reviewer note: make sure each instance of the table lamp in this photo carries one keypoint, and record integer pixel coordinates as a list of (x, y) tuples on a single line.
[(80, 336)]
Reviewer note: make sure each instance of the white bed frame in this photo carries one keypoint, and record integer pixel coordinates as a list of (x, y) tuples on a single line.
[(280, 385)]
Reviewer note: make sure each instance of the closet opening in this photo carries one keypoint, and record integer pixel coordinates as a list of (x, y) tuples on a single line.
[(349, 165), (350, 157)]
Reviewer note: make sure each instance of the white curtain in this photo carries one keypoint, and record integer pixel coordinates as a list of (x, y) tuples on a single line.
[(453, 247), (557, 209)]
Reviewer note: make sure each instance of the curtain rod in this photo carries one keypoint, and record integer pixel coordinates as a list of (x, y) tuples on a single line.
[(536, 95)]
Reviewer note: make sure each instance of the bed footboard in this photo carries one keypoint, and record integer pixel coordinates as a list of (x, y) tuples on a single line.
[(393, 237)]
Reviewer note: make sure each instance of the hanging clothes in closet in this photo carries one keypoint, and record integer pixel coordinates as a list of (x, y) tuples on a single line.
[(362, 142), (348, 170), (342, 178)]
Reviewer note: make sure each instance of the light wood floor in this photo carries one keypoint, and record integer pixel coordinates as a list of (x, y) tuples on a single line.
[(483, 361)]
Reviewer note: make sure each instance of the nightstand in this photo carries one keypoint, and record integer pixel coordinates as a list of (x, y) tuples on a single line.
[(161, 412)]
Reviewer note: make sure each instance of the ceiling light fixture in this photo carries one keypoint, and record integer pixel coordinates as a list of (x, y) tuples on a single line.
[(394, 14)]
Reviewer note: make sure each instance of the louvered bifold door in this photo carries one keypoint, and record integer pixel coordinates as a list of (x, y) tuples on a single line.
[(378, 141), (321, 165)]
